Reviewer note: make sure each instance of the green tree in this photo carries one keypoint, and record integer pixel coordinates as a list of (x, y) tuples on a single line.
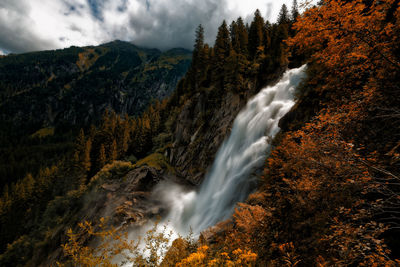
[(283, 17), (222, 49), (256, 34), (196, 71), (295, 11), (243, 36), (234, 31)]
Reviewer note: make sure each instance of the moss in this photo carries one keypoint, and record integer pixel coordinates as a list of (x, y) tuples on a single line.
[(114, 170), (157, 161), (44, 132)]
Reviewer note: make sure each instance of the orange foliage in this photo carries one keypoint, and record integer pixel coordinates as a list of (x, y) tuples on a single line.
[(343, 32), (236, 258)]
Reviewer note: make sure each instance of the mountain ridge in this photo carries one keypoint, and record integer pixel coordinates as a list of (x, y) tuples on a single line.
[(47, 96)]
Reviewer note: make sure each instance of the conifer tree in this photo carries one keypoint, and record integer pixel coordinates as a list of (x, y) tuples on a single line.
[(125, 136), (243, 36), (222, 49), (102, 156), (222, 43), (283, 17), (256, 34), (295, 11), (197, 67), (113, 151), (86, 163), (234, 31), (199, 44), (267, 37), (281, 54)]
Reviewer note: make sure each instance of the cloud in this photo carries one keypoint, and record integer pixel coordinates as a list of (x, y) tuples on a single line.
[(29, 25)]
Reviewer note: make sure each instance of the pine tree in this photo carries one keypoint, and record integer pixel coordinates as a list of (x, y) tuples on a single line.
[(234, 31), (222, 49), (295, 11), (86, 163), (102, 157), (196, 71), (243, 37), (283, 17), (125, 135), (267, 38), (222, 43), (113, 151), (256, 34), (199, 44), (281, 53)]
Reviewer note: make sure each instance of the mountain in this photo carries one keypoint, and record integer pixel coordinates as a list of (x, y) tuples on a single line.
[(74, 86), (46, 97)]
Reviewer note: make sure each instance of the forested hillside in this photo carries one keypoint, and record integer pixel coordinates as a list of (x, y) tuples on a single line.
[(329, 193), (46, 97)]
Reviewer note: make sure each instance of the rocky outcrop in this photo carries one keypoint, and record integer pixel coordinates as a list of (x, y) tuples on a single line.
[(126, 200), (198, 136), (203, 124)]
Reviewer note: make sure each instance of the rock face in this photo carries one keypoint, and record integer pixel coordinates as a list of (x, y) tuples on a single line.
[(75, 85), (201, 127), (128, 199), (197, 138)]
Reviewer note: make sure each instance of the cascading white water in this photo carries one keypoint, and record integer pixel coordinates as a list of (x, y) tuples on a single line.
[(231, 177)]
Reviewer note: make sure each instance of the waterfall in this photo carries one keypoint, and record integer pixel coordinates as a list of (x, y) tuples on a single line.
[(232, 176)]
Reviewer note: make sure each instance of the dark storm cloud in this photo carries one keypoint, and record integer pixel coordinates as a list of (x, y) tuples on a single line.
[(28, 25), (173, 24)]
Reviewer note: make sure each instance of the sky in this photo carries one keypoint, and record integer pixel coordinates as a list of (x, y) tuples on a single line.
[(32, 25)]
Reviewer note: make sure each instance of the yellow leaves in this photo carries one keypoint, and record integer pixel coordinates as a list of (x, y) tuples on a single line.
[(195, 259), (112, 246), (237, 258), (244, 257)]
